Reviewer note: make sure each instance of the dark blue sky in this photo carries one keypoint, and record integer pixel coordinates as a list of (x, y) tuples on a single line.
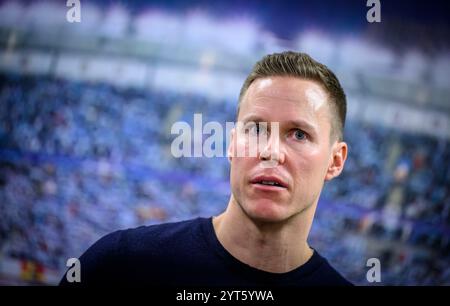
[(286, 18)]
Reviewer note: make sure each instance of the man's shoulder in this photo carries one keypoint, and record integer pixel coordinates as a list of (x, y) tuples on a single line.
[(163, 230), (143, 238), (133, 249), (155, 235), (327, 275)]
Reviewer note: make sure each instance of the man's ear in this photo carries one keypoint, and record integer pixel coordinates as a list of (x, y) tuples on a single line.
[(337, 160), (231, 150)]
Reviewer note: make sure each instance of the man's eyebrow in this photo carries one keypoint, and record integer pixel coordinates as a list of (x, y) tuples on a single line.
[(297, 123), (303, 124), (253, 118)]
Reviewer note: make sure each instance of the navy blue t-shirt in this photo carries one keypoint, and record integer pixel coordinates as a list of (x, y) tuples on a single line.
[(183, 254)]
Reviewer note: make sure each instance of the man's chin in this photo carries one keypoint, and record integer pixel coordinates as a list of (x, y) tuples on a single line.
[(266, 213)]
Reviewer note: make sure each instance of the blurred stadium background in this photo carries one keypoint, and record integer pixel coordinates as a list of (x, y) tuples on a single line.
[(86, 110)]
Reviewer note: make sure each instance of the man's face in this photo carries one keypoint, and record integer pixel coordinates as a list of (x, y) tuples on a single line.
[(300, 154)]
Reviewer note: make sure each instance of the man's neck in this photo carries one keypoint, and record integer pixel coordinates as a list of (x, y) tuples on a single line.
[(272, 247)]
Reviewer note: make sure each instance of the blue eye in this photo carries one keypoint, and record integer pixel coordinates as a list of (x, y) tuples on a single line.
[(299, 135), (252, 129), (257, 128)]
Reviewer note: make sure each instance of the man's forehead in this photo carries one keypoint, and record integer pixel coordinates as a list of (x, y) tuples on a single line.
[(289, 88), (302, 94)]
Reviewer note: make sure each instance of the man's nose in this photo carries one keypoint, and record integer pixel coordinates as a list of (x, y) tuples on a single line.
[(271, 150)]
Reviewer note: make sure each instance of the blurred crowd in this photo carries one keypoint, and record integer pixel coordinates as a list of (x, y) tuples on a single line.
[(79, 160)]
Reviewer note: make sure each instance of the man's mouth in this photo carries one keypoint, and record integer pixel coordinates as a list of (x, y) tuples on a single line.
[(270, 181)]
